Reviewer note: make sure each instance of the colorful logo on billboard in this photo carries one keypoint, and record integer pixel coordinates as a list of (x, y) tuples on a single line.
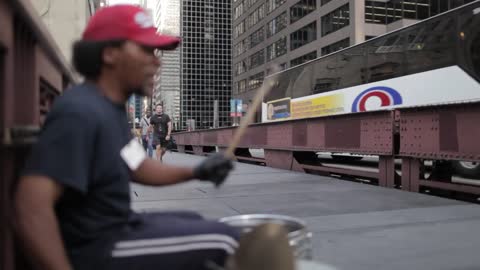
[(236, 108), (278, 109), (387, 96)]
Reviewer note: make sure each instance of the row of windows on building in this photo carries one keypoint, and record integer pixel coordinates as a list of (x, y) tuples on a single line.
[(221, 55), (257, 15), (218, 15), (272, 27), (378, 12), (381, 12), (331, 22), (278, 48), (267, 7), (297, 11), (253, 82), (199, 49), (200, 34)]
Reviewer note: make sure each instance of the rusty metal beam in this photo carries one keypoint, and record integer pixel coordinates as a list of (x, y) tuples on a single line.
[(410, 174), (259, 160), (279, 159), (450, 186), (367, 133), (386, 168), (448, 132), (352, 172)]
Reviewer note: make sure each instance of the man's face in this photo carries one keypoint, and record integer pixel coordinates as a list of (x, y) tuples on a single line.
[(159, 110), (137, 67)]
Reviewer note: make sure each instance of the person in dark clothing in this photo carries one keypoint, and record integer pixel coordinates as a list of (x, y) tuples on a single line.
[(162, 129), (73, 198)]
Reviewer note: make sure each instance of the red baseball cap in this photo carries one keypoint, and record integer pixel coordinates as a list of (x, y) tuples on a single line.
[(127, 22)]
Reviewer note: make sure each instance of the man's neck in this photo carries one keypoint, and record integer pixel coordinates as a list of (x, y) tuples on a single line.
[(112, 89)]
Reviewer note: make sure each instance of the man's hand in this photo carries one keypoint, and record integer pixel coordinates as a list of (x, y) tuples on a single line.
[(214, 169), (167, 138)]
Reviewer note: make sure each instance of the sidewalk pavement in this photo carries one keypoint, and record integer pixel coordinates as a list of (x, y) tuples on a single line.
[(355, 226)]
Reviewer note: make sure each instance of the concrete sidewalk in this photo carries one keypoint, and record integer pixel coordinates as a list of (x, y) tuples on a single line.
[(355, 226)]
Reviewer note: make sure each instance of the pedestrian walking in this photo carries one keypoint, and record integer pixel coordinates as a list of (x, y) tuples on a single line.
[(162, 129), (145, 126)]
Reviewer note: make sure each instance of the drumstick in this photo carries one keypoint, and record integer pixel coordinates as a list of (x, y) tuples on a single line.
[(248, 119)]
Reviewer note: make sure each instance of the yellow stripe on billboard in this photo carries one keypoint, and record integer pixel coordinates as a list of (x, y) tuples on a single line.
[(317, 106)]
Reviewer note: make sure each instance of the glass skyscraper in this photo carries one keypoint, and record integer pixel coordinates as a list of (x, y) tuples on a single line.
[(167, 88), (206, 62)]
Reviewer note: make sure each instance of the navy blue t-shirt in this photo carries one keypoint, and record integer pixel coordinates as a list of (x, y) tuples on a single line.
[(79, 147), (160, 125)]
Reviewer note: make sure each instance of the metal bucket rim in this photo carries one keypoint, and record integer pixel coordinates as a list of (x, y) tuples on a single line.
[(303, 226)]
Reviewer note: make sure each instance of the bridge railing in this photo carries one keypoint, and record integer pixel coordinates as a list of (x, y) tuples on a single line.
[(32, 73), (445, 132)]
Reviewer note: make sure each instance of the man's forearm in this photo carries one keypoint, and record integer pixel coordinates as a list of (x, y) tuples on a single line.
[(154, 173), (39, 230), (169, 128)]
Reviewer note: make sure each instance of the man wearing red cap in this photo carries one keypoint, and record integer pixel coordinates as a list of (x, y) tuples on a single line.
[(73, 199)]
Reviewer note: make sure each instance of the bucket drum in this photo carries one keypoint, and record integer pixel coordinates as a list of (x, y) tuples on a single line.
[(300, 239)]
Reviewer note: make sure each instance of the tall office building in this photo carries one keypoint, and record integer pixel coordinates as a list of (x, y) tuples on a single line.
[(196, 76), (206, 77), (137, 104), (167, 82), (292, 32)]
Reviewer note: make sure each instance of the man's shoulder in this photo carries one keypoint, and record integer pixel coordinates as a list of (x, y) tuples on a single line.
[(79, 100)]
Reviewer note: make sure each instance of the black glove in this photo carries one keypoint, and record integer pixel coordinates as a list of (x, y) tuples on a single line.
[(215, 169)]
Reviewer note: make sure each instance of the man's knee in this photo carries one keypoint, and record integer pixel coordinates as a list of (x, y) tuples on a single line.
[(223, 243), (225, 229)]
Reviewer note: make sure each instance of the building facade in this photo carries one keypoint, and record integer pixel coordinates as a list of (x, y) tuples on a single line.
[(291, 32), (167, 81), (66, 20), (194, 82), (206, 62)]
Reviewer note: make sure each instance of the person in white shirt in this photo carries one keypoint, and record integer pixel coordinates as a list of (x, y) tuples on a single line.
[(145, 125)]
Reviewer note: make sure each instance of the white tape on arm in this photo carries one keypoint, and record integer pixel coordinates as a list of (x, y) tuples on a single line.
[(133, 154)]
